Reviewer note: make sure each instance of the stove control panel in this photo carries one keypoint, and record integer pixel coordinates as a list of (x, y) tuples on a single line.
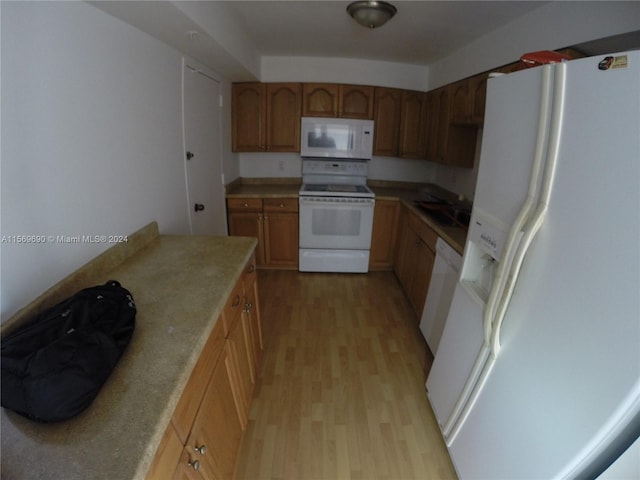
[(335, 167)]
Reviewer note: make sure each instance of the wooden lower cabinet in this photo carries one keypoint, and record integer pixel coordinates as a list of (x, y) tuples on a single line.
[(217, 430), (274, 222), (414, 259), (383, 236), (203, 438)]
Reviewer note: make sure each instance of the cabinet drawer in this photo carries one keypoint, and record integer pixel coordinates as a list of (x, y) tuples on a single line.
[(247, 204), (280, 204)]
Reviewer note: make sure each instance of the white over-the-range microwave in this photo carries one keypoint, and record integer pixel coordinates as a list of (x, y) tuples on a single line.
[(336, 138)]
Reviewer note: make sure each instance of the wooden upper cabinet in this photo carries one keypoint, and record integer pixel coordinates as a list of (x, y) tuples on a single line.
[(334, 100), (478, 87), (249, 117), (319, 100), (387, 108), (266, 117), (468, 99), (431, 135), (442, 96), (413, 124), (355, 101), (460, 102), (284, 103)]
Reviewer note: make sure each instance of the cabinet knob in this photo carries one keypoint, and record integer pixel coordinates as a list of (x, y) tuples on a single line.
[(195, 464), (248, 307), (282, 205), (202, 449)]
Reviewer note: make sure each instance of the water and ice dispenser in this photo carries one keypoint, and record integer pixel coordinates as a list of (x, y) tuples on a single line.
[(486, 241)]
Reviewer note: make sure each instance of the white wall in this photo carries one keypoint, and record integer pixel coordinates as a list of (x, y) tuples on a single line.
[(552, 26), (344, 70), (91, 139)]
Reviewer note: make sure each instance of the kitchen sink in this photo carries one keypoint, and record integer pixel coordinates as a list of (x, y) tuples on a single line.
[(446, 215)]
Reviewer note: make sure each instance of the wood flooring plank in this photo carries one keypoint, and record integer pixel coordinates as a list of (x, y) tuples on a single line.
[(340, 393)]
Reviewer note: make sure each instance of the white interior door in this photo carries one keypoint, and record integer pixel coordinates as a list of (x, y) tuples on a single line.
[(203, 155)]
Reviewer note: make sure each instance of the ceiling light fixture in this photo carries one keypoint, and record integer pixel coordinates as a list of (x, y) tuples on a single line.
[(371, 14)]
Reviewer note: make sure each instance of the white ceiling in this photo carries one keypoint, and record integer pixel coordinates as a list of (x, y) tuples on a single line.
[(421, 32), (232, 36)]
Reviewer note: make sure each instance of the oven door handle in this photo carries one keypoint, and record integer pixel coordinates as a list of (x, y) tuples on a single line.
[(351, 202)]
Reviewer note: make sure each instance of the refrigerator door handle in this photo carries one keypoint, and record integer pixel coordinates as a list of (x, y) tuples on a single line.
[(500, 280), (543, 202)]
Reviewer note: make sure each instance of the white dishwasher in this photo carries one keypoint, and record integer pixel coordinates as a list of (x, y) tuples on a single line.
[(444, 277)]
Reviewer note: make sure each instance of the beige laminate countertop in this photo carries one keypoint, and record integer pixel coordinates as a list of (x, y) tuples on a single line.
[(180, 285), (456, 237)]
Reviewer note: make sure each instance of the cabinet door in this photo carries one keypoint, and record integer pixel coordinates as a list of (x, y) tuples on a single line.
[(248, 224), (280, 223), (478, 86), (443, 117), (187, 468), (412, 125), (383, 236), (387, 107), (281, 234), (284, 104), (406, 252), (238, 362), (217, 430), (356, 101), (187, 407), (460, 102), (431, 134), (319, 100), (167, 456), (248, 117)]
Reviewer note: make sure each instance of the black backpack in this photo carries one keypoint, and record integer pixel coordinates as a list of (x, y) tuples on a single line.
[(54, 364)]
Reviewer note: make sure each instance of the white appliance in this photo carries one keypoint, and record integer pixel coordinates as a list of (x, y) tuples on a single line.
[(336, 138), (444, 277), (537, 374), (336, 216)]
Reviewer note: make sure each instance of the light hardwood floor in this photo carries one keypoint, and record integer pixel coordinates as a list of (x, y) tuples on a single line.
[(341, 393)]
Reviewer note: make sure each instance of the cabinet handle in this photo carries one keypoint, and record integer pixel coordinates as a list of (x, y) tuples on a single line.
[(202, 449), (195, 464), (252, 268)]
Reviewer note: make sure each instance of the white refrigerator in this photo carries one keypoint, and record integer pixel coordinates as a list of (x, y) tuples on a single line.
[(537, 375)]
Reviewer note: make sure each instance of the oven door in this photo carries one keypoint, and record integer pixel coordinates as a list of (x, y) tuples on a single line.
[(336, 222)]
